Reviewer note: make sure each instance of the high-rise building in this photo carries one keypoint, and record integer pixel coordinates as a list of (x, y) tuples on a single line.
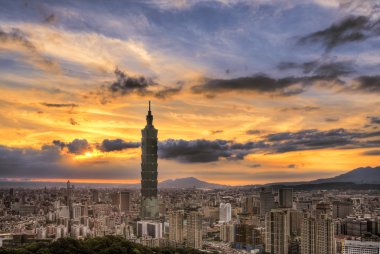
[(317, 235), (194, 230), (227, 232), (342, 208), (225, 212), (176, 227), (247, 236), (251, 205), (94, 195), (77, 212), (277, 231), (149, 201), (124, 201), (153, 229), (359, 247), (266, 201), (285, 196)]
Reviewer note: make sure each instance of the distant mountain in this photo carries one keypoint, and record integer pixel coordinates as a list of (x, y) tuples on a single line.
[(189, 182), (365, 175)]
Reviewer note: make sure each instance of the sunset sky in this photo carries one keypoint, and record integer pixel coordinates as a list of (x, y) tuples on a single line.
[(243, 92)]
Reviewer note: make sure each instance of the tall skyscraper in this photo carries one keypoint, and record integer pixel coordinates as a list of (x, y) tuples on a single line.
[(317, 235), (227, 232), (266, 201), (225, 212), (285, 198), (149, 201), (176, 228), (194, 230), (342, 208), (277, 234), (124, 201)]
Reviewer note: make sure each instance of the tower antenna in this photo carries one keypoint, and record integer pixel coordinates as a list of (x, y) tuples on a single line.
[(149, 105)]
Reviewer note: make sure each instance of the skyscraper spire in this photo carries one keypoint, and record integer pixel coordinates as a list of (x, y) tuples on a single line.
[(149, 117)]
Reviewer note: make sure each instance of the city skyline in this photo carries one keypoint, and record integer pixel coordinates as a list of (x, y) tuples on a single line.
[(244, 92)]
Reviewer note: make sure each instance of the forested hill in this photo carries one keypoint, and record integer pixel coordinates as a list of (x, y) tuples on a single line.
[(98, 245)]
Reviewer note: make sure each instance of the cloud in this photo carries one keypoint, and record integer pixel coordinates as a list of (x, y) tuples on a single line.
[(325, 68), (372, 153), (370, 84), (305, 108), (256, 165), (59, 105), (109, 145), (213, 132), (168, 92), (203, 151), (77, 146), (350, 29), (141, 86), (125, 84), (331, 119), (51, 19), (16, 40), (73, 122), (316, 139), (252, 132), (49, 162), (374, 119), (292, 166), (261, 83)]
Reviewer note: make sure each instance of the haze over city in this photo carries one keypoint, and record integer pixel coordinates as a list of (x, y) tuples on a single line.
[(243, 92)]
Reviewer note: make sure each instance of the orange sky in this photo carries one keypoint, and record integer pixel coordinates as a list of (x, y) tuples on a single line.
[(57, 76)]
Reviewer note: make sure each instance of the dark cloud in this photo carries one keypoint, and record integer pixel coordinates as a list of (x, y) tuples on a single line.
[(310, 140), (168, 92), (252, 132), (213, 132), (255, 165), (59, 105), (51, 19), (372, 153), (260, 83), (328, 69), (202, 151), (49, 162), (292, 166), (77, 146), (374, 119), (370, 84), (59, 144), (350, 29), (109, 145), (305, 108), (315, 139), (73, 122), (331, 119), (126, 85), (17, 37)]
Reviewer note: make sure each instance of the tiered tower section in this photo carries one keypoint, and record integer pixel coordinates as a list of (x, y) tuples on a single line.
[(149, 201)]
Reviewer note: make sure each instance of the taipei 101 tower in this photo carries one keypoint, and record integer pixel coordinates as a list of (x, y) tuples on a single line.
[(149, 201)]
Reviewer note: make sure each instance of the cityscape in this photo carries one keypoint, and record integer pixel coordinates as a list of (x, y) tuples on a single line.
[(151, 127)]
